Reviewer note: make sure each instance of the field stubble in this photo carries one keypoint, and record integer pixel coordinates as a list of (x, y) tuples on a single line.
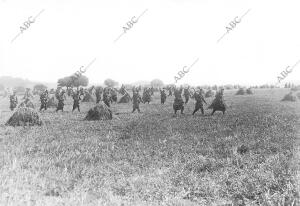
[(154, 158)]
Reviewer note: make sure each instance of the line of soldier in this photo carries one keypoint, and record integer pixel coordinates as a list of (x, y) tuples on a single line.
[(110, 96)]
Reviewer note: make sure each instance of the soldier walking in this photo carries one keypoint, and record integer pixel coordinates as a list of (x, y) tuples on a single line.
[(106, 97), (44, 100), (199, 101), (178, 101), (163, 96), (170, 91), (136, 99), (218, 103), (98, 94), (147, 95), (186, 94), (76, 98), (61, 99), (13, 101), (114, 95)]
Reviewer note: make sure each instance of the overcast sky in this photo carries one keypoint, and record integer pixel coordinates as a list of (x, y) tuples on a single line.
[(170, 34)]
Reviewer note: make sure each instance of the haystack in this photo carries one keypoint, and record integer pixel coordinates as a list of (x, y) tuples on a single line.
[(88, 98), (125, 98), (114, 97), (209, 93), (218, 105), (24, 116), (26, 103), (249, 91), (99, 112), (51, 103), (296, 88), (241, 91), (289, 97)]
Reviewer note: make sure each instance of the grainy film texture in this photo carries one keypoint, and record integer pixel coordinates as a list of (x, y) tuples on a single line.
[(137, 103)]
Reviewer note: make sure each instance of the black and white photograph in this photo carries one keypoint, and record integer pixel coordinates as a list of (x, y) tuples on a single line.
[(149, 103)]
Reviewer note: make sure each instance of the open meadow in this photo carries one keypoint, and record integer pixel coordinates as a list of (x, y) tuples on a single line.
[(249, 156)]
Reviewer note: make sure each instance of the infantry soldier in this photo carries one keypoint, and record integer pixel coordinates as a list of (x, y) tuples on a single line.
[(218, 103), (81, 91), (114, 95), (170, 91), (27, 94), (122, 90), (57, 92), (70, 91), (44, 100), (13, 101), (199, 101), (147, 95), (163, 96), (106, 97), (178, 101), (152, 91), (61, 99), (98, 94), (186, 94), (136, 101), (76, 98), (91, 90)]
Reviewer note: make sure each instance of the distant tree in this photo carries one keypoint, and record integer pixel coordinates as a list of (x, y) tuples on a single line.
[(156, 83), (39, 88), (111, 83), (1, 87), (265, 86), (20, 89), (64, 82), (81, 81), (71, 81)]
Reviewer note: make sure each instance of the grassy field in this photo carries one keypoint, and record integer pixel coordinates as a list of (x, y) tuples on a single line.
[(154, 158)]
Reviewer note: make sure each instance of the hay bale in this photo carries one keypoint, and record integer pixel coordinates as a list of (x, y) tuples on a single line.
[(125, 98), (289, 97), (218, 105), (209, 93), (24, 116), (26, 103), (99, 112), (249, 91), (52, 103), (88, 98), (241, 91), (296, 88)]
